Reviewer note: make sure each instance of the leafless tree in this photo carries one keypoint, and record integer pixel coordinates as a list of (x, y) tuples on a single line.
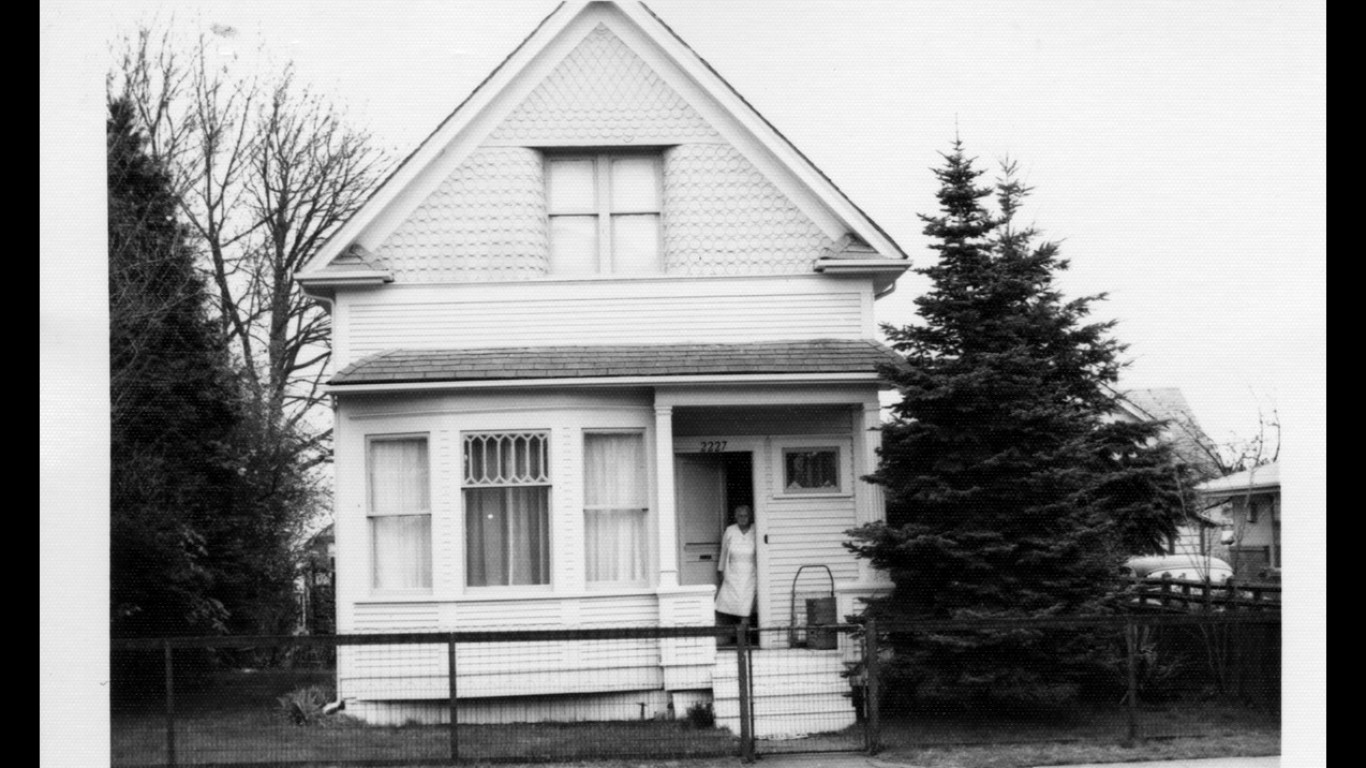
[(264, 170)]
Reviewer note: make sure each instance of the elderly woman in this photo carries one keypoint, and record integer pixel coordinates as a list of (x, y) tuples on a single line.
[(736, 570)]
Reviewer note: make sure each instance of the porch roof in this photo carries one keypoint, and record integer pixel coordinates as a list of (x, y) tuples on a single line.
[(824, 356)]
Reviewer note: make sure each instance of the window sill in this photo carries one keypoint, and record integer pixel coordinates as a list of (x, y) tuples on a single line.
[(424, 596), (813, 495), (511, 595)]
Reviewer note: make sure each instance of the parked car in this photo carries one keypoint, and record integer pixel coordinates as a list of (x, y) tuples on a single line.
[(1188, 567)]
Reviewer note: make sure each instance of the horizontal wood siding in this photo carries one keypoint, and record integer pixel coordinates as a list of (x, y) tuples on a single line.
[(581, 708), (565, 321), (642, 311), (806, 532)]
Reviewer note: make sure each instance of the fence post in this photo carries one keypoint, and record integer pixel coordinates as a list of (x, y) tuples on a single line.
[(450, 674), (170, 706), (743, 683), (872, 689), (1131, 646)]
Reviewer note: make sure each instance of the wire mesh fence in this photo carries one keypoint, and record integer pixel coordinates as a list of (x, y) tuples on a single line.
[(1115, 678), (570, 695)]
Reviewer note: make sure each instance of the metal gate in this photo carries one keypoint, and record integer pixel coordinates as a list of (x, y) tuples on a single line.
[(807, 689)]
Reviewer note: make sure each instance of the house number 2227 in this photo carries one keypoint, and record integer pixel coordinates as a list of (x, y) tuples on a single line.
[(713, 446)]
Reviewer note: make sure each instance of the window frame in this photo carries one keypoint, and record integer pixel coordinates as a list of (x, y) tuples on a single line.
[(645, 520), (370, 515), (843, 467), (606, 261), (549, 485)]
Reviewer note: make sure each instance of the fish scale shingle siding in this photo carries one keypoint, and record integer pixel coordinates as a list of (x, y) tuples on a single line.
[(603, 93), (723, 217), (487, 220)]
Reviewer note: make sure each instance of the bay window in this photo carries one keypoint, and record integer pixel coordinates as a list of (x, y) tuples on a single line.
[(400, 514), (604, 213), (506, 492)]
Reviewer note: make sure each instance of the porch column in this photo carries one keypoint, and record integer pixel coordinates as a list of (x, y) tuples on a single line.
[(870, 505), (664, 489)]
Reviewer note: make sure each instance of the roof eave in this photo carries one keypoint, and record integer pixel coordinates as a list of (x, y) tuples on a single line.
[(885, 272), (611, 381)]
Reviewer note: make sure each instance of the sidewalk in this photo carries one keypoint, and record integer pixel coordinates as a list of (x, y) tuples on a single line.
[(851, 760), (1272, 761)]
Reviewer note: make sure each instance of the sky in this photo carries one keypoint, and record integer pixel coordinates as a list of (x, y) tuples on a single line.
[(1177, 149)]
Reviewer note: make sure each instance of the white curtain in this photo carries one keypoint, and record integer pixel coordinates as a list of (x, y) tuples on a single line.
[(398, 477), (507, 536), (615, 499), (403, 551), (401, 521)]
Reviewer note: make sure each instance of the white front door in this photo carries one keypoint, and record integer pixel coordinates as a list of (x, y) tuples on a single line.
[(700, 489)]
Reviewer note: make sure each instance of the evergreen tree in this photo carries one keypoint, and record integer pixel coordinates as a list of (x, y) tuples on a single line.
[(1009, 493), (171, 405)]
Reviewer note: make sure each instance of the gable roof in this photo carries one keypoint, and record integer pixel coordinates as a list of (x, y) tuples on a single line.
[(458, 134), (1263, 478), (825, 356), (1187, 439)]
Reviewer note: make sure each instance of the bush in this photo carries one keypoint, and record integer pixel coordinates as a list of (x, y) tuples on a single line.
[(701, 715), (304, 706)]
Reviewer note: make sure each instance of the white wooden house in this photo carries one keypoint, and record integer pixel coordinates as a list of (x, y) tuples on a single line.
[(601, 305)]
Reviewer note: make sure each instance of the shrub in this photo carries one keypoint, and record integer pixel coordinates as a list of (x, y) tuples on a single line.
[(304, 706), (701, 715)]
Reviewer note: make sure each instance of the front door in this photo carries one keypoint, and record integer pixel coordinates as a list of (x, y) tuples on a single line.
[(700, 483)]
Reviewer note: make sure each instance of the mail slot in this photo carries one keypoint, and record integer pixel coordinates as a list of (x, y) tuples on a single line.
[(701, 553)]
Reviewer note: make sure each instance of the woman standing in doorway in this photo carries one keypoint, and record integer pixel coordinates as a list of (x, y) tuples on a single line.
[(736, 569)]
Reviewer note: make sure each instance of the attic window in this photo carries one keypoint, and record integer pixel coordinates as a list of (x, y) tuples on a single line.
[(604, 210)]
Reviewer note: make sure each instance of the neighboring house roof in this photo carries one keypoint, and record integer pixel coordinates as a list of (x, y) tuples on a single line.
[(457, 135), (1263, 478), (1167, 404), (826, 356)]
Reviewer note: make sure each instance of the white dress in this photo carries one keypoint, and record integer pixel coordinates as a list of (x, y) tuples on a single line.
[(737, 565)]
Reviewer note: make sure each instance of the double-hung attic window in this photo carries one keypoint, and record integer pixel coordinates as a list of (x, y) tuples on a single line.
[(604, 212)]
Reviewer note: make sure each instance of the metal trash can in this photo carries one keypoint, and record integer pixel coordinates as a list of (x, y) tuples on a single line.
[(820, 611)]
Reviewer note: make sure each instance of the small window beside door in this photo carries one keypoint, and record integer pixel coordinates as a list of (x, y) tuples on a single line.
[(812, 470)]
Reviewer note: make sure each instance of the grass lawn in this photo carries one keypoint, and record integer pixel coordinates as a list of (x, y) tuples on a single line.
[(1093, 736), (239, 720)]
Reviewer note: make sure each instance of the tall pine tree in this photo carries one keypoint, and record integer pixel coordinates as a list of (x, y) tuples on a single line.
[(1010, 493), (171, 405)]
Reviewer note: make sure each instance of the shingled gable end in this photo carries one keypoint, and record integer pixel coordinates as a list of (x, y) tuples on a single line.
[(604, 303)]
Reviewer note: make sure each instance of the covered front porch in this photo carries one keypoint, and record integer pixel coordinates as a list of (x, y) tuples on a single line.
[(794, 454)]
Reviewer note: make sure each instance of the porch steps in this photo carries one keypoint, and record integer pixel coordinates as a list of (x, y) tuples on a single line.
[(796, 693)]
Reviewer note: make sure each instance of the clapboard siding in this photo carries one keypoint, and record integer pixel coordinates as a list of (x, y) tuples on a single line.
[(601, 312), (579, 708), (806, 532), (379, 327)]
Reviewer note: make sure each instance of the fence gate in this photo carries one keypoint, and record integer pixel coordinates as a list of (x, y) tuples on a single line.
[(807, 689)]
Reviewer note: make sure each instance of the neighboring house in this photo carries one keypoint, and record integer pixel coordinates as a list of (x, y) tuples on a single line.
[(317, 569), (1204, 535), (603, 304), (1252, 500)]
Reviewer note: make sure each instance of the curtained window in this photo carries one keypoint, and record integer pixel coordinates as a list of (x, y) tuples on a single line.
[(400, 514), (506, 491), (616, 492), (811, 470)]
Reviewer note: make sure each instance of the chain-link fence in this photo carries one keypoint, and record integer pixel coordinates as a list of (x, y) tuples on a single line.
[(688, 691)]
